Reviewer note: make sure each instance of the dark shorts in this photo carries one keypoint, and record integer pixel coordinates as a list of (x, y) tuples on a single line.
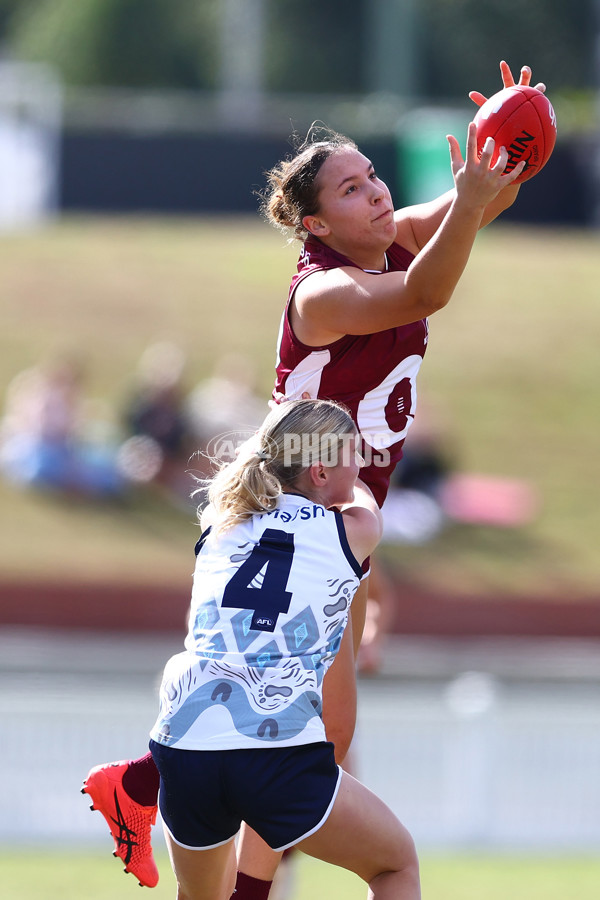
[(283, 793)]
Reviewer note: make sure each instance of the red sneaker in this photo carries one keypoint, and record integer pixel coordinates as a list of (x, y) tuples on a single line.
[(130, 823)]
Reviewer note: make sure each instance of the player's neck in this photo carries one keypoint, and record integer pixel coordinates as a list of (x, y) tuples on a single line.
[(371, 259)]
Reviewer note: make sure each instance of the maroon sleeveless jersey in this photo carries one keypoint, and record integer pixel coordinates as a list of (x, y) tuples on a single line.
[(373, 375)]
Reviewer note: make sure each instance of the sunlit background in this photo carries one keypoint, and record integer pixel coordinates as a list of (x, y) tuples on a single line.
[(141, 296)]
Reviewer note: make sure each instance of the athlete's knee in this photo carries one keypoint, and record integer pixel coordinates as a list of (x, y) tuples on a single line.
[(407, 852), (198, 894), (403, 873), (401, 855), (182, 894), (408, 861)]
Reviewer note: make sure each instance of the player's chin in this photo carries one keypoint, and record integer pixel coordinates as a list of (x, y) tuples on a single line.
[(386, 220), (387, 226)]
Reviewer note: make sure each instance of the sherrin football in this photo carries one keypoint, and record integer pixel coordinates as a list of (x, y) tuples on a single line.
[(522, 120)]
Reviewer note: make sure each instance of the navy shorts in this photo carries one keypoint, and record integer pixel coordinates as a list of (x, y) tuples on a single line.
[(283, 793)]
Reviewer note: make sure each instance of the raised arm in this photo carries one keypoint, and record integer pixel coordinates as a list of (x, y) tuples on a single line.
[(440, 233), (417, 224), (351, 301)]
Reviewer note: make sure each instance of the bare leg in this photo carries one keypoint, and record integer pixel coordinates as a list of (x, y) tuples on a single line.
[(255, 857), (203, 874), (363, 835)]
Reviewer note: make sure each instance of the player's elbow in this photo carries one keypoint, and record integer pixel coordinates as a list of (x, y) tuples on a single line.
[(428, 295), (434, 300)]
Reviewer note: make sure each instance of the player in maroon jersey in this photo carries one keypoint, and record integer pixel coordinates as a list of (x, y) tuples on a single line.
[(354, 330), (355, 325)]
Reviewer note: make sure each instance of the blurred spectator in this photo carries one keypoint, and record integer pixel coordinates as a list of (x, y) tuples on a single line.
[(427, 493), (381, 605), (159, 443), (226, 405), (48, 438), (173, 433), (412, 514), (413, 511)]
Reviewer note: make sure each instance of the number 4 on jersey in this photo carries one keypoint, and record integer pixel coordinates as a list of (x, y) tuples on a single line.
[(273, 554)]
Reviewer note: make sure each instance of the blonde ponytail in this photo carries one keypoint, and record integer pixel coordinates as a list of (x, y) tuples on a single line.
[(296, 434)]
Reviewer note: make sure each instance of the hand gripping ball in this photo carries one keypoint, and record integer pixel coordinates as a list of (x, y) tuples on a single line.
[(522, 120)]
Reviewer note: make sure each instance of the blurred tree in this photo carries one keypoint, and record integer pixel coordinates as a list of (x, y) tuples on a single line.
[(315, 46), (464, 38), (136, 43), (311, 46), (7, 9)]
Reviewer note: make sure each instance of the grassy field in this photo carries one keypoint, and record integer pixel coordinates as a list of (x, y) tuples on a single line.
[(58, 876), (512, 372)]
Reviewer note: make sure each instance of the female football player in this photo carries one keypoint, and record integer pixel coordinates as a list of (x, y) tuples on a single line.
[(239, 735)]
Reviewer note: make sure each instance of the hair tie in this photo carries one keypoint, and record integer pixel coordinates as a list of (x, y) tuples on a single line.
[(262, 455)]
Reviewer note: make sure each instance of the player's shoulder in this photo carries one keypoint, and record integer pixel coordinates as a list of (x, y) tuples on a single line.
[(321, 282), (363, 528)]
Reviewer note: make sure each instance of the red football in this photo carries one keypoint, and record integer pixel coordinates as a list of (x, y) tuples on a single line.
[(522, 120)]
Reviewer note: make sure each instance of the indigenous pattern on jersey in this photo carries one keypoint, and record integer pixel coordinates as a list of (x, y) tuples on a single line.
[(374, 375), (269, 606)]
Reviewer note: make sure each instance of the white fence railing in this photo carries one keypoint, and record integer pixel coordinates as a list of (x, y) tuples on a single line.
[(470, 760), (30, 125)]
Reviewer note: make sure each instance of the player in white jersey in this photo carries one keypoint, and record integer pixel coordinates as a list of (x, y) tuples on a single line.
[(239, 736), (264, 625)]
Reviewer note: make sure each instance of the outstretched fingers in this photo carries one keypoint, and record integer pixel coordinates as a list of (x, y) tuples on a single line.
[(479, 166), (507, 75), (508, 81), (500, 165), (472, 155), (477, 97), (525, 77), (456, 158)]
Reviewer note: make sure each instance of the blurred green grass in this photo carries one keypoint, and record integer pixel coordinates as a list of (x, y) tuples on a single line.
[(512, 369), (90, 876)]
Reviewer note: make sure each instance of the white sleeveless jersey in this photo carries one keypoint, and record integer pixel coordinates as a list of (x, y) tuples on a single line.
[(270, 602)]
